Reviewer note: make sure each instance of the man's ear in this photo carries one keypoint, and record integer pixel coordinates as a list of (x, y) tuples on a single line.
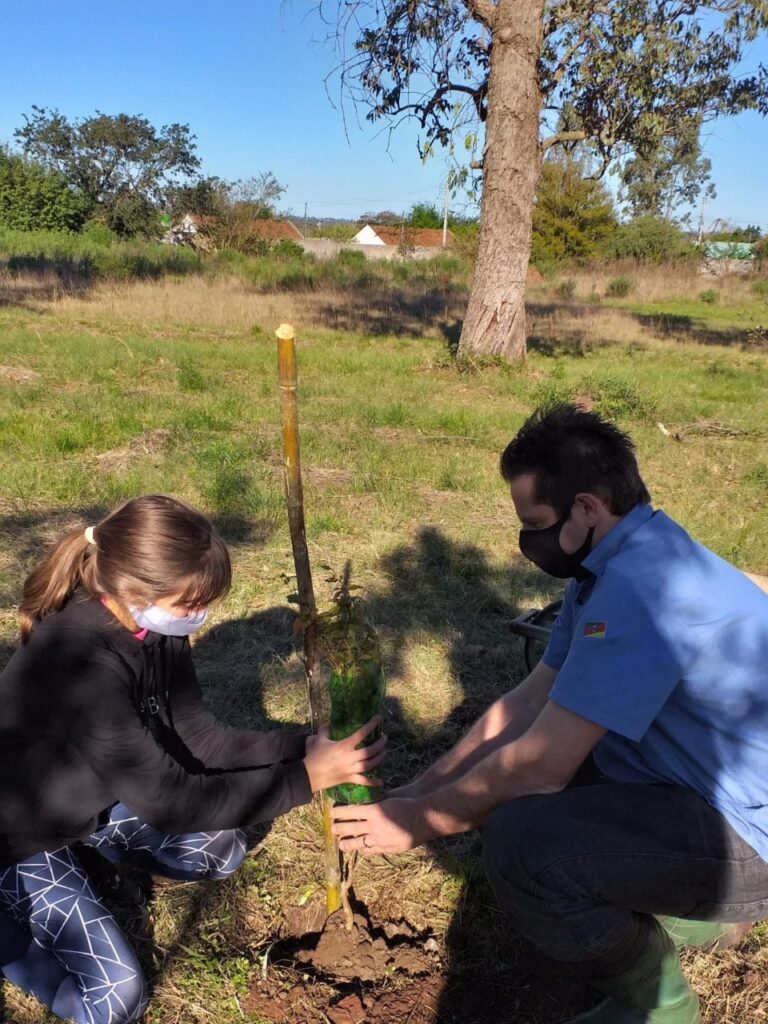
[(590, 507)]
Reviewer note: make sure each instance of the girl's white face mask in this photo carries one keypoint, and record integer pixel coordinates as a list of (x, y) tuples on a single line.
[(157, 620)]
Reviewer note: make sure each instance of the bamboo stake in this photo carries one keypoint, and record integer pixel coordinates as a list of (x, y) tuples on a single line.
[(294, 499)]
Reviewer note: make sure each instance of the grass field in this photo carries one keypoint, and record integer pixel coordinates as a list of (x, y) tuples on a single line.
[(171, 386)]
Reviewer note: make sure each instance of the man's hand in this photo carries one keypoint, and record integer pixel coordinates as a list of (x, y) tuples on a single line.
[(331, 762), (392, 826)]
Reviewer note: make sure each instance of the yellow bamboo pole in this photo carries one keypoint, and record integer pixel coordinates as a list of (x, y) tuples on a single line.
[(294, 499)]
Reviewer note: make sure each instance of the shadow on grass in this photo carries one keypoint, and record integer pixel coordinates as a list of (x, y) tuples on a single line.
[(437, 591), (26, 281), (677, 327), (570, 327), (447, 593), (390, 311)]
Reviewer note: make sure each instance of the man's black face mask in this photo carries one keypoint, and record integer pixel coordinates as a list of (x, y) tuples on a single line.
[(542, 547)]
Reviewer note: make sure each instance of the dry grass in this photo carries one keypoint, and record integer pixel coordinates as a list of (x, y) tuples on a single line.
[(231, 306), (663, 283)]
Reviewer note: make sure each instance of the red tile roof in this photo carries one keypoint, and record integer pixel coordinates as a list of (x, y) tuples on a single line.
[(276, 230), (419, 238)]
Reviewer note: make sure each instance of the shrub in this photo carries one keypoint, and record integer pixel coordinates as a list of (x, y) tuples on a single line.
[(710, 296), (619, 287), (337, 232), (566, 289), (352, 259), (33, 197), (86, 256), (285, 250), (97, 233), (467, 239), (573, 215), (649, 240)]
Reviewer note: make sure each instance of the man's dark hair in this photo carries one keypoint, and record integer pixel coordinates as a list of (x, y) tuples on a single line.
[(571, 451)]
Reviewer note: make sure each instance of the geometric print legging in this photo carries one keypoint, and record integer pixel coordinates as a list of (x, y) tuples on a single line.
[(58, 941)]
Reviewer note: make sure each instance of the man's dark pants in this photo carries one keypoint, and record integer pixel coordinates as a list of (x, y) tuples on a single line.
[(580, 872)]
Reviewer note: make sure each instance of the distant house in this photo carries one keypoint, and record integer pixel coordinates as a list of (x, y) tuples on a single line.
[(194, 222), (192, 228), (276, 230), (416, 238)]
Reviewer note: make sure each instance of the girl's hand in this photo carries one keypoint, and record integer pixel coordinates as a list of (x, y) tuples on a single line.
[(331, 762)]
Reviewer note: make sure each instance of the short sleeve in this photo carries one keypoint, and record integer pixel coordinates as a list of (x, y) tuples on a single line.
[(622, 664), (562, 632)]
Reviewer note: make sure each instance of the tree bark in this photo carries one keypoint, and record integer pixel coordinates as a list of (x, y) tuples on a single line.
[(495, 318)]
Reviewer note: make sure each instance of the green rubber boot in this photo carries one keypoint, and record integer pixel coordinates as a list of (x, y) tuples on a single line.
[(652, 991), (709, 935)]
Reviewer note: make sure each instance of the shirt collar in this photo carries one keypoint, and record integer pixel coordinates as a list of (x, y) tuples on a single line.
[(614, 540)]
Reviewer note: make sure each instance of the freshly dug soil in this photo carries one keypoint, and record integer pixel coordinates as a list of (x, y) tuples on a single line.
[(368, 953), (388, 972)]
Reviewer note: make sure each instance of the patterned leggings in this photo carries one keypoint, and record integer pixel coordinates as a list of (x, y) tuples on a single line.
[(58, 941)]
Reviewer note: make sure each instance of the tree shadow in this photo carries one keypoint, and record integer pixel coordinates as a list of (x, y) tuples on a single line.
[(678, 327), (389, 311), (437, 592), (447, 595), (28, 280), (573, 328), (441, 594)]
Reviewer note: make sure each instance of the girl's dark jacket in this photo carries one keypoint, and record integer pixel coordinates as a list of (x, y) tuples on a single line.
[(91, 716)]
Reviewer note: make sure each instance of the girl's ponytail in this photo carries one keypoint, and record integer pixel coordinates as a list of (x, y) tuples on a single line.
[(150, 547), (51, 584)]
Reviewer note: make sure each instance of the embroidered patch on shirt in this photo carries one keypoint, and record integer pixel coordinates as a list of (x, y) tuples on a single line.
[(596, 630)]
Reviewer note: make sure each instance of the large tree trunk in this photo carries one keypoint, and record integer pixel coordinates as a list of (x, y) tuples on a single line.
[(495, 319)]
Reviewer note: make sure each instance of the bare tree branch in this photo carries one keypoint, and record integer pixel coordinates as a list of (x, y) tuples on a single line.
[(561, 137)]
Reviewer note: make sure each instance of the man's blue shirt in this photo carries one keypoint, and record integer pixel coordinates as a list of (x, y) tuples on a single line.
[(666, 645)]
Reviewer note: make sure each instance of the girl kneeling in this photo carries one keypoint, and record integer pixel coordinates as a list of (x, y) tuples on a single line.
[(104, 740)]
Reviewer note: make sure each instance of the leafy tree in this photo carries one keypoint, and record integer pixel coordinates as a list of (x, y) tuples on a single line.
[(257, 195), (649, 240), (34, 198), (573, 215), (424, 215), (382, 217), (205, 196), (511, 78), (108, 157), (668, 173), (131, 215), (728, 233)]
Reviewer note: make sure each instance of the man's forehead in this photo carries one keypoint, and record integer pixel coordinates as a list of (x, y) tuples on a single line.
[(523, 492)]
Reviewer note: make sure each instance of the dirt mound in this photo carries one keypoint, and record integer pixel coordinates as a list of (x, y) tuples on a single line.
[(368, 952), (389, 972)]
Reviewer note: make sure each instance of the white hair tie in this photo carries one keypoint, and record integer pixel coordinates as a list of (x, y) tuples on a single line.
[(88, 532)]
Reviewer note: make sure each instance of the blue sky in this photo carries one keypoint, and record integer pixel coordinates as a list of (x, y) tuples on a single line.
[(248, 78)]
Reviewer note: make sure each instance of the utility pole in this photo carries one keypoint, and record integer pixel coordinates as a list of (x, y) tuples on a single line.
[(445, 217), (700, 236), (305, 219)]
